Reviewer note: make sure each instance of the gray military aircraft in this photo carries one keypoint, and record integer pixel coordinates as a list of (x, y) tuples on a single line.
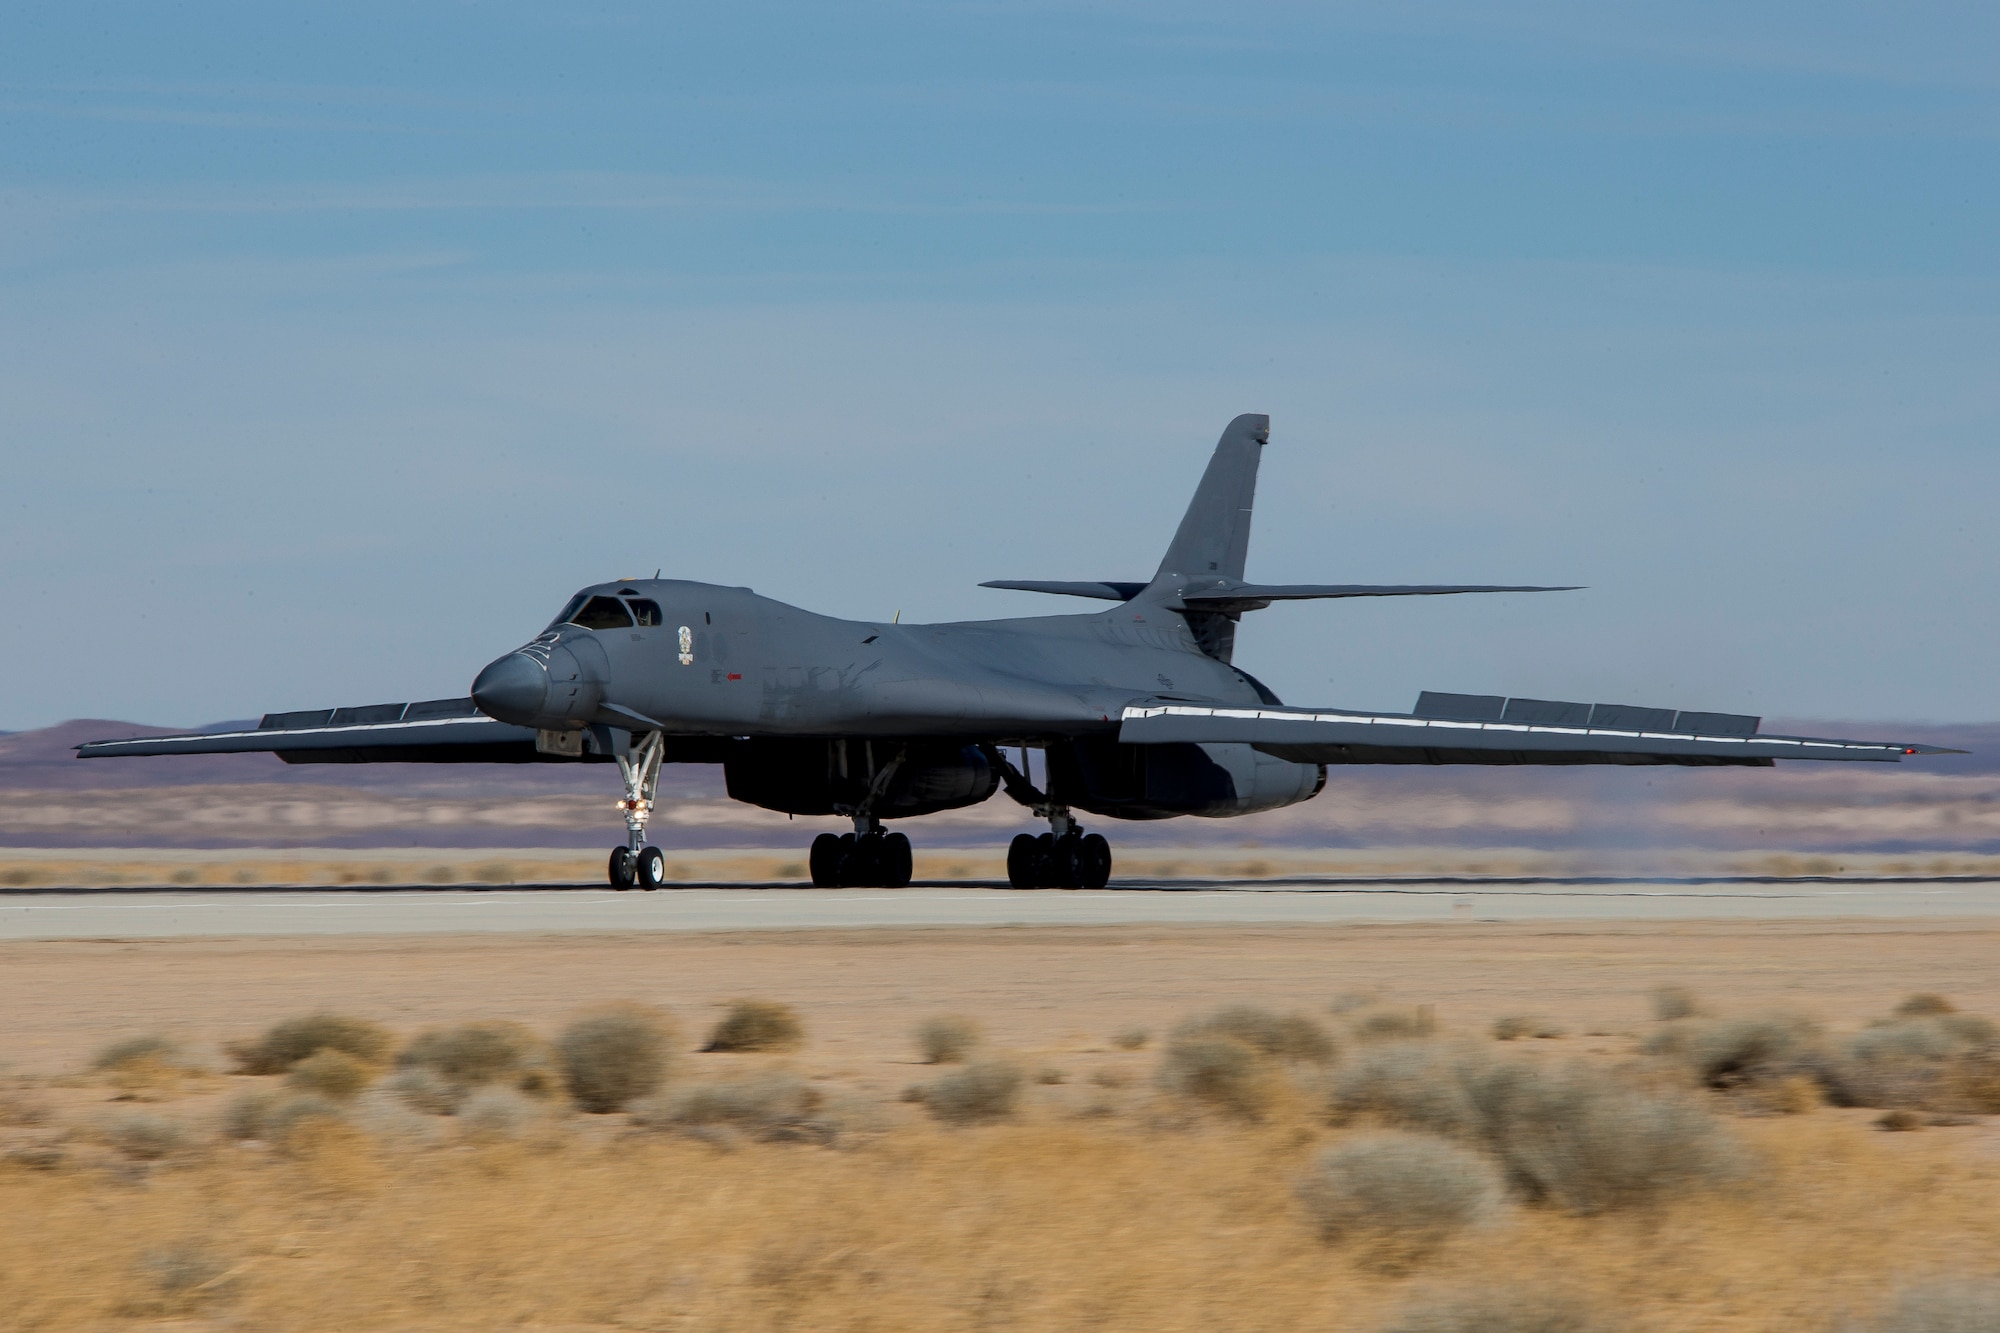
[(1139, 711)]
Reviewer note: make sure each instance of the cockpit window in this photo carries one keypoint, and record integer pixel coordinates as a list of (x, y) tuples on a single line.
[(646, 611), (575, 605), (601, 613)]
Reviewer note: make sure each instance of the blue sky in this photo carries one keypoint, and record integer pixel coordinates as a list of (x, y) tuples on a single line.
[(339, 344)]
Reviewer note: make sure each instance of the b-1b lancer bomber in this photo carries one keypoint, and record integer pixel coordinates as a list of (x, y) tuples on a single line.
[(1139, 710)]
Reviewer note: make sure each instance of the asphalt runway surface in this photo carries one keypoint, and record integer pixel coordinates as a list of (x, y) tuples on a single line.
[(50, 914)]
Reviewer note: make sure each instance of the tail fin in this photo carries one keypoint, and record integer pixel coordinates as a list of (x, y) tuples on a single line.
[(1214, 536)]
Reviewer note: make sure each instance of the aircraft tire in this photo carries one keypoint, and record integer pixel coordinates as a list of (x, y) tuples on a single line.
[(825, 861), (1062, 865), (861, 867), (1094, 861), (619, 872), (897, 862), (652, 869), (1022, 854)]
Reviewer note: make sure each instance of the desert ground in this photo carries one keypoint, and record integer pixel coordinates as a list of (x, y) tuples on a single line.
[(1103, 1193)]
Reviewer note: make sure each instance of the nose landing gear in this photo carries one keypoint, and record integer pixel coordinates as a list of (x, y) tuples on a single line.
[(637, 865)]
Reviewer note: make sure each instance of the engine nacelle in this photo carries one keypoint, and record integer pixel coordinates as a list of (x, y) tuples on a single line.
[(1162, 781), (834, 777)]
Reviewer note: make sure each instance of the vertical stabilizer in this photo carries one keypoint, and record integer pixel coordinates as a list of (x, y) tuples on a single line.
[(1214, 536)]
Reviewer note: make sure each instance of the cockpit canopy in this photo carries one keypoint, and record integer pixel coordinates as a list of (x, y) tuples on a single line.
[(599, 611)]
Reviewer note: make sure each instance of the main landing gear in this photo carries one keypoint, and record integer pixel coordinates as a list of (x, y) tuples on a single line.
[(1063, 858), (867, 858), (637, 865)]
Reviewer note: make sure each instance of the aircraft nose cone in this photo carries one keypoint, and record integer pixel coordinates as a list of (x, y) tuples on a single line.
[(512, 689)]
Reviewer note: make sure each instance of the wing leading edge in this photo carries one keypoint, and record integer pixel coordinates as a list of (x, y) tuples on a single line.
[(433, 731), (1333, 736)]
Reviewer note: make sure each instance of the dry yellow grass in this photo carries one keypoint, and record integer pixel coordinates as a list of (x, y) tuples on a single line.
[(1050, 1224)]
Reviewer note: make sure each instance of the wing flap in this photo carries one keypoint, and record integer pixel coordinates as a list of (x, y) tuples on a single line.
[(1329, 736)]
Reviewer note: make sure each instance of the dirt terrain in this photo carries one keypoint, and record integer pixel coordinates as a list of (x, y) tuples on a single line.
[(1094, 1191), (1036, 989)]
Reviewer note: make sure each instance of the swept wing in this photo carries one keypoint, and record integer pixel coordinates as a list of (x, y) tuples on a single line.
[(1450, 729)]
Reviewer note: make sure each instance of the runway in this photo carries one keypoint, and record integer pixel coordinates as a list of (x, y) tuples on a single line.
[(165, 914)]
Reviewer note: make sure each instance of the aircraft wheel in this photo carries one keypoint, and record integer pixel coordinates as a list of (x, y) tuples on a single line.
[(825, 861), (896, 861), (652, 868), (1022, 853), (620, 871), (861, 868), (1093, 861), (1062, 868)]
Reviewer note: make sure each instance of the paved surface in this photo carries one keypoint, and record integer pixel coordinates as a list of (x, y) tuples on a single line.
[(57, 914)]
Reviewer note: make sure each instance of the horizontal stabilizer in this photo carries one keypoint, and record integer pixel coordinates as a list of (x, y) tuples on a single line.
[(1327, 736), (1109, 592), (1255, 596)]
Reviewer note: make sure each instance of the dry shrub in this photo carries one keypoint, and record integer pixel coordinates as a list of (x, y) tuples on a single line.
[(495, 1112), (1501, 1310), (1572, 1138), (772, 1107), (1742, 1052), (1515, 1026), (286, 1043), (470, 1055), (143, 1067), (1399, 1196), (1671, 1003), (330, 1073), (180, 1277), (946, 1039), (1395, 1024), (1941, 1061), (390, 1120), (1898, 1122), (1973, 1082), (1221, 1073), (758, 1025), (425, 1091), (147, 1137), (129, 1051), (614, 1056), (1939, 1306), (987, 1090), (1293, 1038), (1415, 1085), (269, 1117), (1131, 1039), (1925, 1004)]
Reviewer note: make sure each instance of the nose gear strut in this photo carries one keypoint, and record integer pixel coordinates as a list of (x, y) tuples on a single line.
[(637, 865)]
